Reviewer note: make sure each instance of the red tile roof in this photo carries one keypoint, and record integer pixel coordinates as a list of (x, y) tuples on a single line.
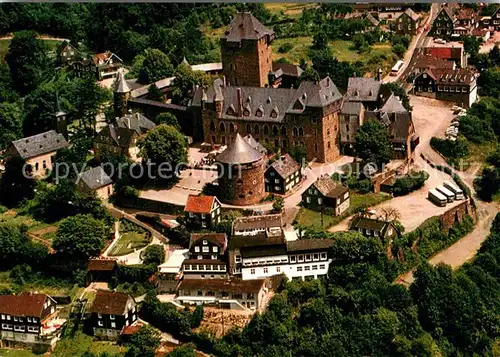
[(440, 52), (101, 264), (26, 304), (199, 204), (110, 303), (134, 328)]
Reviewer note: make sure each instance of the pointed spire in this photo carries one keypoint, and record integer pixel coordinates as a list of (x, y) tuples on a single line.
[(185, 62), (59, 112), (121, 85)]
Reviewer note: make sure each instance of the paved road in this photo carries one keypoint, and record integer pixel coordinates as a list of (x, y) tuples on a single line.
[(415, 43), (466, 248)]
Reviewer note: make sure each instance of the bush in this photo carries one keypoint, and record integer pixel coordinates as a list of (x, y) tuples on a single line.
[(153, 254), (285, 48), (409, 183), (135, 273), (451, 150)]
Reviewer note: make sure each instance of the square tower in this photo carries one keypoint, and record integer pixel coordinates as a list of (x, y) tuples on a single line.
[(246, 51)]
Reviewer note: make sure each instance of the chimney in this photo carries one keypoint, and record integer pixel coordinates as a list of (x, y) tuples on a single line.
[(240, 102)]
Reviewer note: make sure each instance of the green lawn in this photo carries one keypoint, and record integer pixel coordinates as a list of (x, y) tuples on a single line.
[(289, 10), (310, 218), (4, 47), (4, 352), (80, 343), (128, 241)]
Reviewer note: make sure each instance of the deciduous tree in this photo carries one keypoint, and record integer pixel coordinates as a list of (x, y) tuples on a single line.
[(373, 144)]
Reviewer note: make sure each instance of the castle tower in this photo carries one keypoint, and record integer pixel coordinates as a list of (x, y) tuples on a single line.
[(121, 95), (241, 173), (61, 120), (246, 51)]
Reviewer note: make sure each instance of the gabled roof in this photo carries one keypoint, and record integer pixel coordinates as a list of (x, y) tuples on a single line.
[(412, 14), (39, 144), (110, 303), (393, 105), (328, 187), (287, 69), (351, 108), (200, 204), (432, 62), (233, 285), (361, 89), (315, 94), (245, 26), (101, 264), (239, 152), (219, 239), (105, 57), (370, 223), (26, 304), (372, 19), (123, 130), (451, 76), (285, 166), (95, 178)]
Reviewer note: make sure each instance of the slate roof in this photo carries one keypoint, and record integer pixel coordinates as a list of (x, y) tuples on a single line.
[(400, 127), (101, 264), (372, 19), (122, 131), (263, 251), (26, 304), (199, 204), (219, 239), (351, 108), (239, 152), (361, 89), (451, 76), (285, 166), (257, 222), (40, 144), (273, 103), (393, 105), (95, 178), (431, 62), (121, 85), (258, 240), (328, 187), (110, 303), (245, 26), (255, 144), (287, 69), (233, 285), (308, 244)]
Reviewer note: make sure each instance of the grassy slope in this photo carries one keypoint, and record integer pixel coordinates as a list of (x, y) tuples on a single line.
[(311, 218), (4, 46)]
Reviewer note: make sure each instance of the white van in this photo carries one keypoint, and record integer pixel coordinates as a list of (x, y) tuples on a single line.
[(450, 196), (452, 186), (437, 198)]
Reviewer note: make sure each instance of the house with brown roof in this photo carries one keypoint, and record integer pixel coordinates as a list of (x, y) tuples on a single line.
[(67, 53), (111, 312), (374, 227), (327, 195), (206, 257), (202, 211), (233, 293), (407, 23), (38, 151), (458, 85), (107, 64), (443, 24), (423, 62), (451, 51), (282, 175), (29, 320), (284, 75), (121, 136), (101, 270)]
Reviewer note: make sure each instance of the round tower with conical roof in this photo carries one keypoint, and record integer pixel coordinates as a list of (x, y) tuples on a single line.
[(121, 95), (241, 174)]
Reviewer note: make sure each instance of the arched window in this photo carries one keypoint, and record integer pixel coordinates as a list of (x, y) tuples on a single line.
[(231, 128), (275, 130), (212, 125), (285, 144), (301, 131), (223, 140), (249, 129), (222, 127), (283, 130), (276, 143), (256, 129), (36, 166), (266, 130), (295, 132)]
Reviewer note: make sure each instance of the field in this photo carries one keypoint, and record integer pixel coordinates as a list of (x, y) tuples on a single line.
[(4, 48), (290, 10), (309, 218), (4, 352)]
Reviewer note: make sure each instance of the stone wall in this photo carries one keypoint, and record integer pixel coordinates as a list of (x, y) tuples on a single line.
[(457, 214)]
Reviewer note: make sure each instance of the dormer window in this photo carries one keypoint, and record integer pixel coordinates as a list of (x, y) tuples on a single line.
[(205, 242), (246, 113), (259, 112), (249, 99), (274, 113), (230, 110), (298, 105), (304, 96)]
